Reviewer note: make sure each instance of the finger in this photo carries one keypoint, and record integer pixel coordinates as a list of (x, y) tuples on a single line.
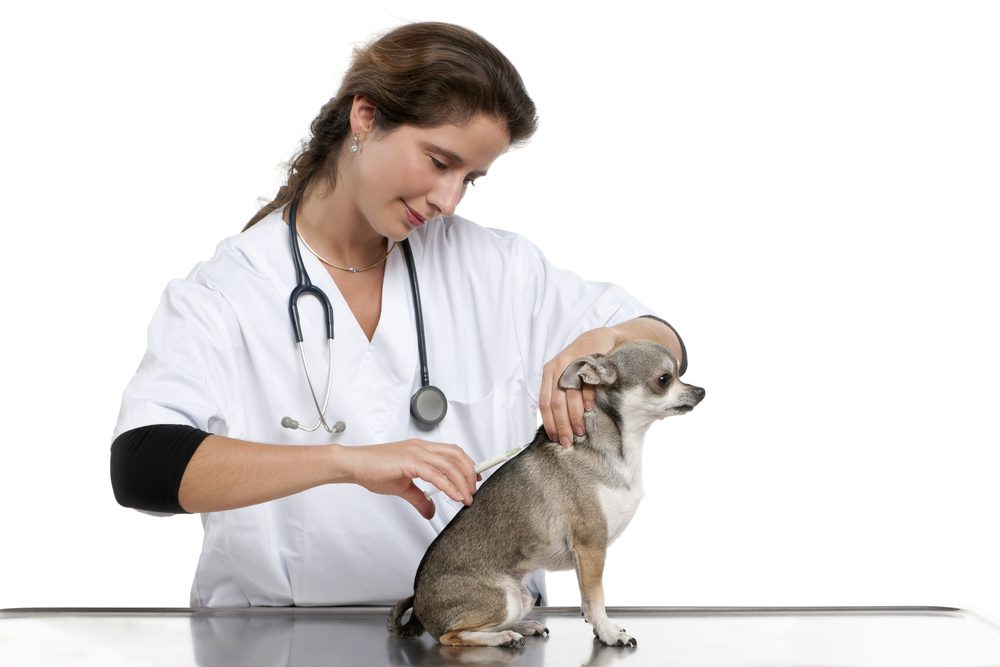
[(465, 466), (589, 396), (438, 477), (454, 478), (545, 406), (413, 495), (458, 468), (560, 412), (574, 406)]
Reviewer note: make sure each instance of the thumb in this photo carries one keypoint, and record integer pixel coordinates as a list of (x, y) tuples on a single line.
[(413, 495)]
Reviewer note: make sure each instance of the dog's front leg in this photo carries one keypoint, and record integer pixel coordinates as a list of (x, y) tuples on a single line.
[(590, 574)]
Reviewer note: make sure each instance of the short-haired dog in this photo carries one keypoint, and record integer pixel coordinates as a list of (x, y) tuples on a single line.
[(550, 507)]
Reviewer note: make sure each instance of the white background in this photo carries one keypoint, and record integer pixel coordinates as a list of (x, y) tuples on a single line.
[(807, 191)]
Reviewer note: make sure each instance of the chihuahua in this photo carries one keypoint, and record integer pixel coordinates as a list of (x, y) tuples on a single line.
[(550, 507)]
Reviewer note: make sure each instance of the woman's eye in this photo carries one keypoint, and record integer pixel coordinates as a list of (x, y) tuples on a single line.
[(444, 167)]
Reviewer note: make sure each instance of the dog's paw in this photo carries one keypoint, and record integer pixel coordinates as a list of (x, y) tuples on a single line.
[(611, 634), (531, 628), (515, 640)]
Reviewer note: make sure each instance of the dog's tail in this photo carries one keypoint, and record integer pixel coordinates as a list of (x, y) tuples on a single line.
[(412, 628)]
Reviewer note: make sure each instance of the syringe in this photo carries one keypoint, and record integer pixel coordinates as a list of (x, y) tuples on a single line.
[(487, 464)]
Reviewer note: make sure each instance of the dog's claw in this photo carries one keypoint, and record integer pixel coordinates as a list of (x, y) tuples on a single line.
[(516, 643), (621, 641), (545, 632)]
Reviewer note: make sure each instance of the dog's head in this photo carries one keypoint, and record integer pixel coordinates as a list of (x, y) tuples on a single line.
[(637, 379)]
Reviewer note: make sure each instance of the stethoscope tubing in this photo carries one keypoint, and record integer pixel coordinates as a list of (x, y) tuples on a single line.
[(312, 392), (428, 405), (418, 312), (303, 285)]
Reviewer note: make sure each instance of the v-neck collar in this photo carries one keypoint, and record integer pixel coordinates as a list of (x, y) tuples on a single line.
[(390, 297), (390, 357)]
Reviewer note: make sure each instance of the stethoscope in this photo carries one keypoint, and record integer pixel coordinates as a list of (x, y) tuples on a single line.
[(428, 405)]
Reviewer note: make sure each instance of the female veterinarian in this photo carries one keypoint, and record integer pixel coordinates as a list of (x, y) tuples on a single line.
[(299, 457)]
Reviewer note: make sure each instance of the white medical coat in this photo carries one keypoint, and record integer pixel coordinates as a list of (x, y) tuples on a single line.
[(221, 357)]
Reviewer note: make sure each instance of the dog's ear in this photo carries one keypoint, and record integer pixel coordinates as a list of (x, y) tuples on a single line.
[(592, 369)]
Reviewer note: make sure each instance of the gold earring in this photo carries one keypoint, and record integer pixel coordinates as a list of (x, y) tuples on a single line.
[(354, 144)]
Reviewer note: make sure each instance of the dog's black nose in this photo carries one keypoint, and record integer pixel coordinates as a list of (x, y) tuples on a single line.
[(699, 393)]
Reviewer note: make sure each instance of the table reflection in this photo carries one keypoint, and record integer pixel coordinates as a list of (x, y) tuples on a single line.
[(294, 639)]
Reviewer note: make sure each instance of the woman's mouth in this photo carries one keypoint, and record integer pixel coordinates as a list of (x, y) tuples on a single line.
[(414, 218)]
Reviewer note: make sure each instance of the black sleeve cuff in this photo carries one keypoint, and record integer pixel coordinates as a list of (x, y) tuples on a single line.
[(684, 352), (147, 464)]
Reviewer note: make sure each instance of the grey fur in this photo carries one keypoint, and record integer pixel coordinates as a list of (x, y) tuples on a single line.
[(543, 510)]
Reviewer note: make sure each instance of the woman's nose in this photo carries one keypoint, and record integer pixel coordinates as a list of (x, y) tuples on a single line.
[(446, 195)]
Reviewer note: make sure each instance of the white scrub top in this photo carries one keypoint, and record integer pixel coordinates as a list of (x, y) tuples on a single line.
[(221, 357)]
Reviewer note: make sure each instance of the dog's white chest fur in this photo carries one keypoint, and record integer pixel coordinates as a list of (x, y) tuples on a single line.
[(619, 503), (619, 506)]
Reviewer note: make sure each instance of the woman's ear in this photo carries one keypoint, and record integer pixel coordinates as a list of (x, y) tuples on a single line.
[(362, 115)]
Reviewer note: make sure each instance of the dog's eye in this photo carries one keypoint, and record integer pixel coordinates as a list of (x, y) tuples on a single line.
[(664, 380)]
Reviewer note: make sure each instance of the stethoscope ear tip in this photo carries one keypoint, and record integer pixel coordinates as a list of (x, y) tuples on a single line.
[(338, 427)]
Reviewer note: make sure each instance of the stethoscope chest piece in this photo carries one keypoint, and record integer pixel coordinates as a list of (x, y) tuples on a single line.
[(429, 405)]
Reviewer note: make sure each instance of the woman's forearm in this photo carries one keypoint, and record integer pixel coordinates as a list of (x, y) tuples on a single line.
[(226, 473)]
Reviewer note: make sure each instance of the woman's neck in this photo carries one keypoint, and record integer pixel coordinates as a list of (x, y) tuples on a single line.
[(333, 226)]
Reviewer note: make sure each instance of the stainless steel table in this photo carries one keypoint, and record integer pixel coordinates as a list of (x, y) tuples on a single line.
[(356, 636)]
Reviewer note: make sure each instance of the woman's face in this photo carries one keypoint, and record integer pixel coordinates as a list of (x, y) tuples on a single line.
[(413, 174)]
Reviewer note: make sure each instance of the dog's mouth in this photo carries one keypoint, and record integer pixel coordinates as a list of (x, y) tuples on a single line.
[(683, 408)]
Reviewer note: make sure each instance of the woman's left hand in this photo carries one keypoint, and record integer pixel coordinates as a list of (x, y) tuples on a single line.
[(562, 409)]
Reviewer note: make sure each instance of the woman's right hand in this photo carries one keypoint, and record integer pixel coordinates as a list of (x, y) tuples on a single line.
[(390, 469)]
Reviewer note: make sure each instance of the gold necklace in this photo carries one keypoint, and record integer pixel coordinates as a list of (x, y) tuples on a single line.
[(349, 269)]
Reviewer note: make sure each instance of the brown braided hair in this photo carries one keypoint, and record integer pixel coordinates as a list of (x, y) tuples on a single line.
[(420, 74)]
